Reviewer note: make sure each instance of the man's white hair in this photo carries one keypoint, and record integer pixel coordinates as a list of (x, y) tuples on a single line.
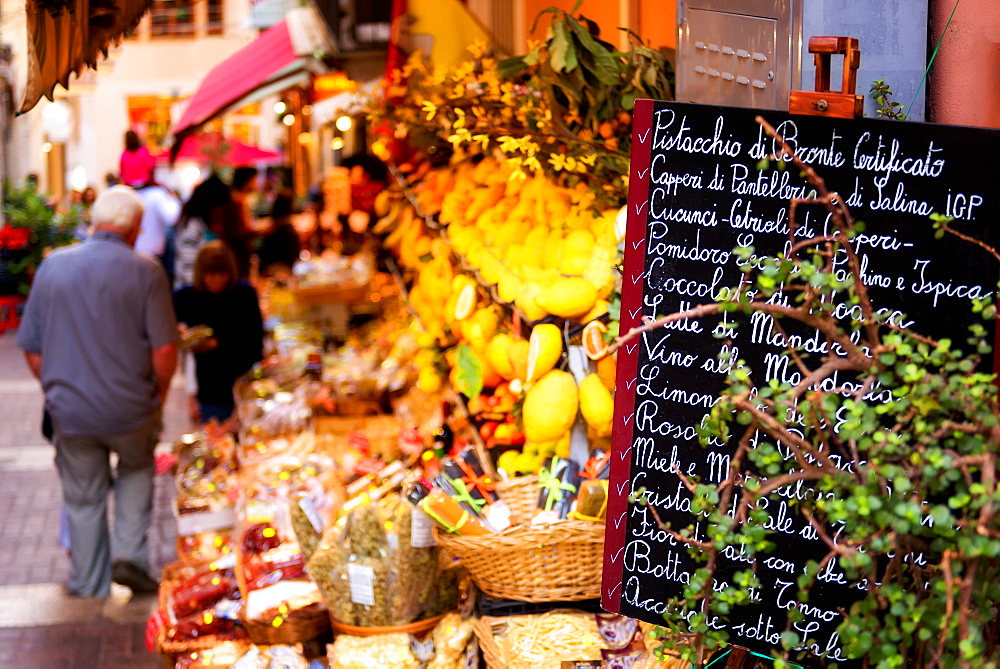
[(118, 209)]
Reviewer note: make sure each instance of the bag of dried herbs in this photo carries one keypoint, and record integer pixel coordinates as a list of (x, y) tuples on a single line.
[(415, 561), (328, 568), (368, 568)]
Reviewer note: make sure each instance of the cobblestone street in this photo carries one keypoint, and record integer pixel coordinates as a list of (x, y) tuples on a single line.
[(41, 627)]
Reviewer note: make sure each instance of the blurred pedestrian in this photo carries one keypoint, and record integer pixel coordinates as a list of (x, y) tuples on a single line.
[(202, 219), (238, 232), (158, 219), (136, 163), (280, 246), (99, 332), (82, 207), (229, 307), (369, 177)]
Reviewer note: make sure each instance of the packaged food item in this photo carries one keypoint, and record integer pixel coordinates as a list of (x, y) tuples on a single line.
[(415, 562), (206, 546), (200, 592), (559, 482), (597, 466), (625, 657), (268, 557), (368, 567), (203, 624), (272, 657), (204, 471), (546, 640), (465, 474), (451, 637), (379, 565), (618, 631), (191, 337), (222, 656), (385, 651), (592, 502), (328, 568), (451, 516)]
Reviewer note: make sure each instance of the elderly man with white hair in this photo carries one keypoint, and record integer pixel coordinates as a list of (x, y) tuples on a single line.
[(100, 334)]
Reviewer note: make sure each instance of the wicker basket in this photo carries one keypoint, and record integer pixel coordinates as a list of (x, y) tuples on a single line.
[(302, 625), (418, 629), (382, 432), (486, 629), (544, 563), (521, 496), (170, 650)]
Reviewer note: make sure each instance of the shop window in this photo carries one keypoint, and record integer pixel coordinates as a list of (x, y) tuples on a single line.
[(149, 115), (172, 18), (215, 17)]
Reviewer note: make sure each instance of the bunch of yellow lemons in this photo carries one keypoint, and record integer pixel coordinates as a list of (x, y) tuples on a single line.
[(546, 248)]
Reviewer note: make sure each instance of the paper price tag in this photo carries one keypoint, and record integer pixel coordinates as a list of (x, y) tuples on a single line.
[(362, 580), (421, 530), (308, 507)]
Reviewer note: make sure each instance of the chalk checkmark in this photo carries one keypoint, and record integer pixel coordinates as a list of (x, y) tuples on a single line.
[(629, 349), (628, 419), (642, 174), (643, 136), (636, 245), (637, 278), (620, 519), (634, 312), (640, 207), (611, 592), (621, 486), (624, 454), (614, 558)]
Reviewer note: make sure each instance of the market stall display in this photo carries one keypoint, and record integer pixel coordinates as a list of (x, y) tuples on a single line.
[(451, 445)]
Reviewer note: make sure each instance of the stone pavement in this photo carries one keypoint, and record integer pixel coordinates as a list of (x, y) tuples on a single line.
[(40, 627)]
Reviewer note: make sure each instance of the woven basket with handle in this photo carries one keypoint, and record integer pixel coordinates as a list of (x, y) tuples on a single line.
[(560, 562), (299, 626), (521, 496)]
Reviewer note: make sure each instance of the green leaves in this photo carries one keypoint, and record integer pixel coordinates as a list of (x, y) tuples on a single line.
[(470, 372), (607, 68)]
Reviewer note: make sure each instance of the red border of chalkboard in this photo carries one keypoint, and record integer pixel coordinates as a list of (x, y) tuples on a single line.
[(633, 281)]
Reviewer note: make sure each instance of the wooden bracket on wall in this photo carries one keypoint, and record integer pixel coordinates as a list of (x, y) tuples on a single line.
[(823, 101)]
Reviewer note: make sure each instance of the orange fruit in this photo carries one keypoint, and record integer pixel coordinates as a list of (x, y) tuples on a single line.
[(594, 344), (607, 369)]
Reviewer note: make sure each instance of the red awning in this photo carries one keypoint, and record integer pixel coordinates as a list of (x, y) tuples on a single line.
[(213, 148), (282, 56)]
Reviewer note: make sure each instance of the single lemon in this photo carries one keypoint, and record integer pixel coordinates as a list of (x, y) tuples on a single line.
[(567, 297), (550, 406), (596, 404), (545, 347), (496, 355)]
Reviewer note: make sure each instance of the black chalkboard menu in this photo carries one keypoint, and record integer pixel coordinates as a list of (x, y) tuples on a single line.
[(695, 194)]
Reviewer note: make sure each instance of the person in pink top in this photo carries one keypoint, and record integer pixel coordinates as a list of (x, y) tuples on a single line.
[(136, 164)]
